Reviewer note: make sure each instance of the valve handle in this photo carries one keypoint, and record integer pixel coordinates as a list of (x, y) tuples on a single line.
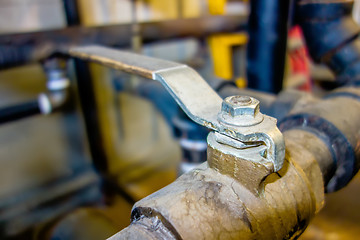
[(193, 94)]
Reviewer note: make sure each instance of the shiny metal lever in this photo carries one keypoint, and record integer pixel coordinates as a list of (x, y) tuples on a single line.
[(193, 94)]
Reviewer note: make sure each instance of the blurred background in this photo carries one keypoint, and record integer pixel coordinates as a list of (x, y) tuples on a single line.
[(75, 173)]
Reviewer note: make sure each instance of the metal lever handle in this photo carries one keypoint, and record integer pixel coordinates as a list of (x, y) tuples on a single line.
[(197, 99)]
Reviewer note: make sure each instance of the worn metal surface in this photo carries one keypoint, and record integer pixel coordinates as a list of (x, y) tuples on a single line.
[(335, 119), (318, 148), (266, 99), (277, 106), (240, 111), (198, 100), (17, 49), (147, 228), (339, 219), (225, 159), (210, 203)]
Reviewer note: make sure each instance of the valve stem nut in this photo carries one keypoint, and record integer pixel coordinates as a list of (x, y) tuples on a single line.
[(240, 111)]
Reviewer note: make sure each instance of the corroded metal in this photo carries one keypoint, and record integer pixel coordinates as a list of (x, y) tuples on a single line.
[(218, 201)]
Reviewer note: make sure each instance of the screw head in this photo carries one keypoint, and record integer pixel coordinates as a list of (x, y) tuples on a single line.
[(240, 111)]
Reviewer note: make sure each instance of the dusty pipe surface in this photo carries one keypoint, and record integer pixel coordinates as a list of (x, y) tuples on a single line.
[(335, 120), (224, 199)]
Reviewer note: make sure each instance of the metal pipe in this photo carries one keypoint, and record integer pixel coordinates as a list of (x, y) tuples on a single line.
[(337, 128), (331, 35), (208, 203), (235, 193), (267, 27), (90, 113), (71, 12), (19, 49), (332, 120), (46, 103), (214, 201), (13, 113)]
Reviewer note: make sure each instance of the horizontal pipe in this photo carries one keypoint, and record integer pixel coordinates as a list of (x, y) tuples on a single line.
[(318, 145), (16, 112), (45, 104), (22, 48), (208, 204), (334, 119), (56, 96)]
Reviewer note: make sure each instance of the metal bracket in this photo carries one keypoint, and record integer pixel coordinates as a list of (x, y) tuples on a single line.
[(193, 94)]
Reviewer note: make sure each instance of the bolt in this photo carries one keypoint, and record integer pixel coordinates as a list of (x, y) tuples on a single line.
[(240, 100), (240, 106)]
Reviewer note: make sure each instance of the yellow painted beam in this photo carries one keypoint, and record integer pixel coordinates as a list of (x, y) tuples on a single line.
[(217, 7), (221, 51)]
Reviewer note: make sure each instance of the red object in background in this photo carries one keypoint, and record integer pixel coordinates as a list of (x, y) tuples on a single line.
[(299, 57)]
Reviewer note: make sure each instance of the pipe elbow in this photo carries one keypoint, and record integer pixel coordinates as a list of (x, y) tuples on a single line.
[(331, 35)]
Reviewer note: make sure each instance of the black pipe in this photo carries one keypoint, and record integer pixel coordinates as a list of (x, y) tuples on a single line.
[(17, 112), (11, 56), (71, 12), (267, 27), (90, 113), (93, 131), (331, 35)]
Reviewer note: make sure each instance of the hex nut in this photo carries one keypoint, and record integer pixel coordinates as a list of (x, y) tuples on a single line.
[(240, 111), (240, 105)]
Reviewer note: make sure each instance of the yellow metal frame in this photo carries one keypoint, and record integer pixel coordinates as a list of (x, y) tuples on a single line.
[(221, 51)]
